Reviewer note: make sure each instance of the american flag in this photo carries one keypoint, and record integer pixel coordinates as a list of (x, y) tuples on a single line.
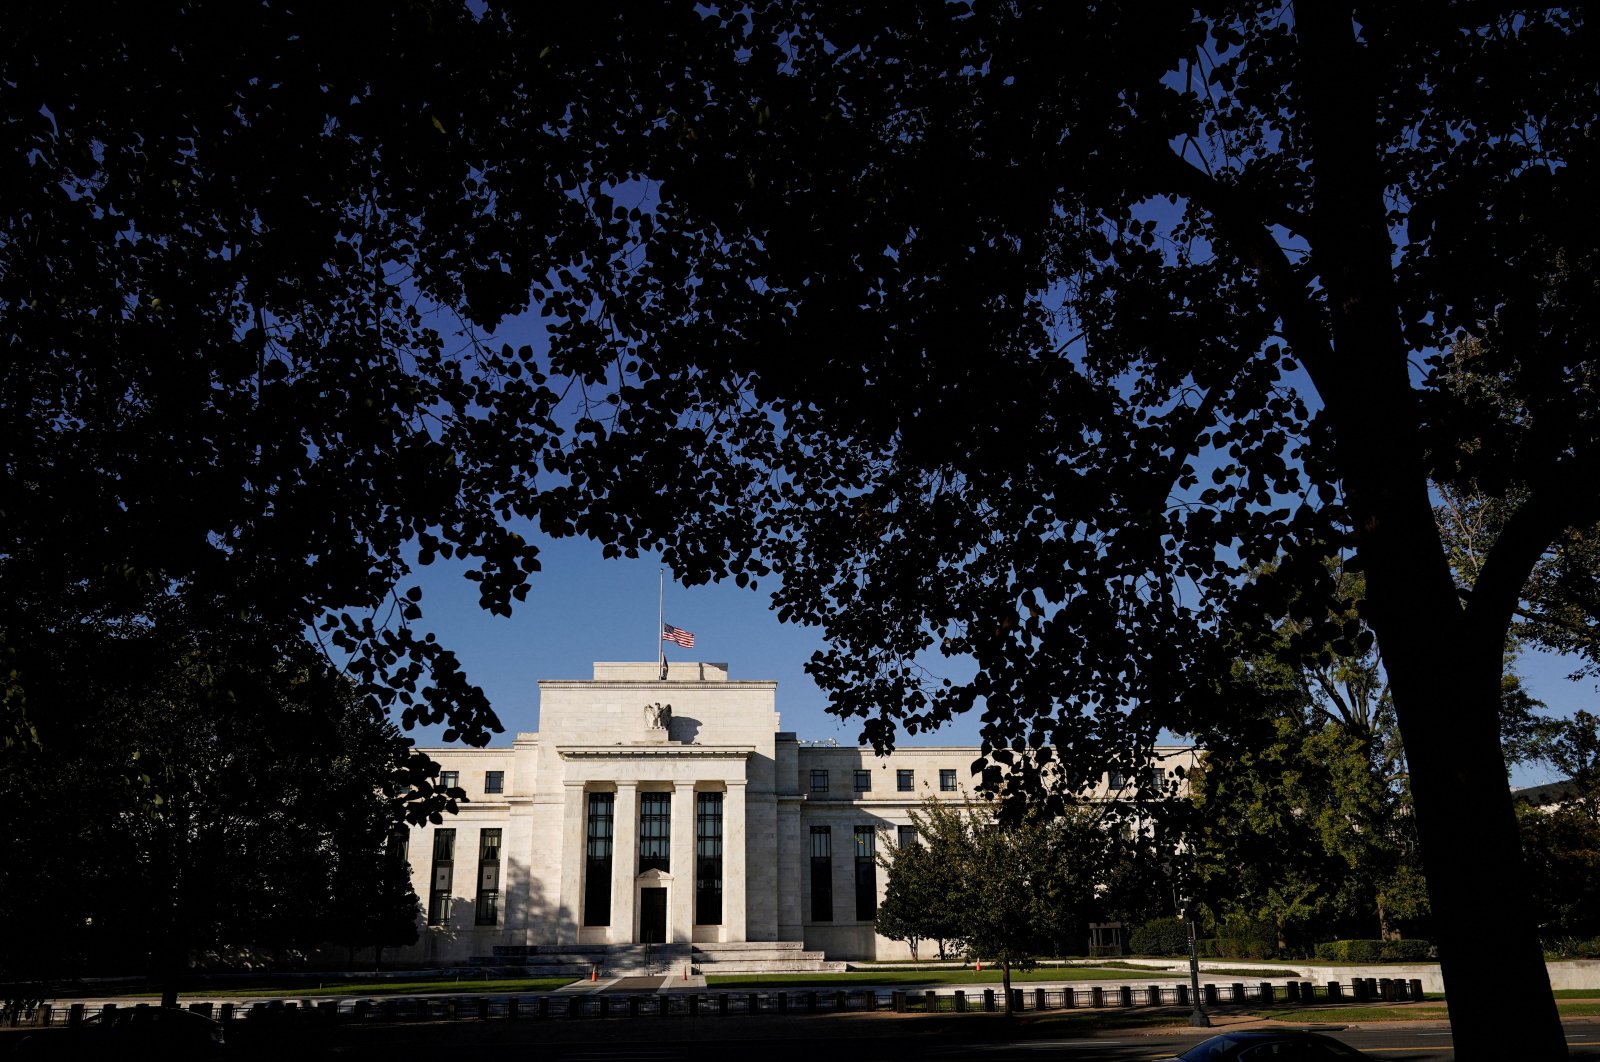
[(669, 633)]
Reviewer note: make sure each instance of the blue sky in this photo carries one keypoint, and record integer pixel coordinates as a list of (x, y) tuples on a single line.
[(585, 608)]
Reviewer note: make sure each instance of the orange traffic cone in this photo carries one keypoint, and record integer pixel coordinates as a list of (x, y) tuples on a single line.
[(980, 966), (594, 973)]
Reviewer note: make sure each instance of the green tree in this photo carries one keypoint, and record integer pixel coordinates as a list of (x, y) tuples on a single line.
[(1011, 891), (1561, 839), (916, 899), (224, 808)]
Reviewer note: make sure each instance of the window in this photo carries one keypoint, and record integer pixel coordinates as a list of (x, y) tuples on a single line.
[(907, 836), (863, 781), (494, 781), (905, 781), (449, 779), (866, 874), (443, 879), (655, 832), (488, 877), (1114, 780), (597, 859), (1155, 780), (947, 781), (819, 781), (708, 859), (821, 874)]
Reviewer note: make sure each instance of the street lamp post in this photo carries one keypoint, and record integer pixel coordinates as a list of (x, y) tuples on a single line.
[(1197, 1016)]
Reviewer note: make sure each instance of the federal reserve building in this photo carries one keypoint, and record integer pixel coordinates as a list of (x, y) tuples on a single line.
[(674, 813)]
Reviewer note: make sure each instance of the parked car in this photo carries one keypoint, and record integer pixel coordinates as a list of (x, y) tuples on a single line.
[(1271, 1045)]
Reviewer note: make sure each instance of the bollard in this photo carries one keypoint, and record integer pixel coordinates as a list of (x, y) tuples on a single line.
[(1152, 995), (872, 999), (1308, 991), (544, 1006), (111, 1008), (961, 1001), (362, 1009), (988, 1000), (722, 1003), (327, 1010), (43, 1017), (1386, 989), (513, 1006), (1265, 994), (633, 1006), (811, 1002), (1126, 994), (1402, 990), (930, 1001), (783, 1002), (898, 1000), (1372, 988), (1416, 990), (1098, 994), (754, 1004), (1291, 991), (226, 1015), (1335, 991), (1210, 991), (483, 1009), (841, 1001), (1069, 998), (75, 1015), (694, 1006), (1016, 1001), (1038, 999), (1183, 995), (574, 1007), (605, 1006)]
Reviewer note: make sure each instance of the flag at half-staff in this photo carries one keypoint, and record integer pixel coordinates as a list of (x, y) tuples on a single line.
[(677, 635)]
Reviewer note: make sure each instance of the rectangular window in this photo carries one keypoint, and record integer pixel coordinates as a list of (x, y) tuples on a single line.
[(821, 874), (947, 781), (449, 779), (908, 836), (866, 874), (1114, 780), (655, 832), (488, 877), (819, 781), (597, 857), (443, 879), (494, 781), (1155, 781), (863, 781), (905, 781), (708, 859)]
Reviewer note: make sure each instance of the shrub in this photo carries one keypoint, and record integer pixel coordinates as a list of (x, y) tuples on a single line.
[(1164, 936), (1373, 951), (1407, 951)]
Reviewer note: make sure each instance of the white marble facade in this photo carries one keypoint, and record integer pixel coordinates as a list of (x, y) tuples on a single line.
[(693, 757)]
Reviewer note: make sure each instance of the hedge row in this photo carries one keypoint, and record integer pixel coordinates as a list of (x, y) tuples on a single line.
[(1164, 936), (1375, 950)]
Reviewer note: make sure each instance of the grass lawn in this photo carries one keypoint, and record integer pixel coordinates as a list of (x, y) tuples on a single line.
[(929, 978), (1414, 1012)]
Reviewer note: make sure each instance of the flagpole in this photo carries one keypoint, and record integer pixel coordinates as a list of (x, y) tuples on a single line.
[(661, 619)]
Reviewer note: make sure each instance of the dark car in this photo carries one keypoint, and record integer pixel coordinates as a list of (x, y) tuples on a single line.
[(1271, 1045)]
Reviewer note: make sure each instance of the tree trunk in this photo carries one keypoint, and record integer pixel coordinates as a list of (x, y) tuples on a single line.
[(1005, 982), (1489, 949)]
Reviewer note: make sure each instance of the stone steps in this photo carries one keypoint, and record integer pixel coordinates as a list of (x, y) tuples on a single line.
[(762, 956)]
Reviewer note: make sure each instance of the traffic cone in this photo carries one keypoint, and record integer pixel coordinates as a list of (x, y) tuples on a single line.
[(594, 973), (980, 966)]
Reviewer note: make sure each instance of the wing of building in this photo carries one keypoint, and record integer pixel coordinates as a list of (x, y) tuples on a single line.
[(676, 812)]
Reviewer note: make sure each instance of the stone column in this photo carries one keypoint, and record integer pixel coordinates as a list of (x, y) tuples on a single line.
[(680, 901), (735, 860), (624, 861), (571, 911)]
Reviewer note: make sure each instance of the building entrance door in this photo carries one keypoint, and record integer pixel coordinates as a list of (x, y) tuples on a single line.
[(652, 916)]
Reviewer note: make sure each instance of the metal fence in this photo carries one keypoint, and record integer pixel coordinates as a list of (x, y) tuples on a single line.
[(713, 1003)]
